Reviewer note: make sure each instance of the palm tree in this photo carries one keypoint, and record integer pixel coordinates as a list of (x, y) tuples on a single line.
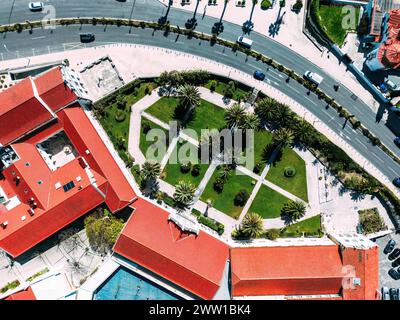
[(282, 138), (184, 194), (251, 121), (150, 171), (218, 26), (189, 96), (294, 210), (284, 116), (234, 116), (248, 25), (303, 132), (225, 173), (266, 109), (252, 225)]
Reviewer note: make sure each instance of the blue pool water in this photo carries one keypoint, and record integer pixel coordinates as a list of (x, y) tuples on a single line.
[(124, 284)]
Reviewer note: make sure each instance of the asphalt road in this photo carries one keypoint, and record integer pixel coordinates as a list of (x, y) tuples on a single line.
[(63, 38)]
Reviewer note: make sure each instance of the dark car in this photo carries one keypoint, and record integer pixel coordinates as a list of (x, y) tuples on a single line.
[(87, 37), (259, 75), (396, 182), (389, 246), (396, 263), (394, 294), (395, 254), (397, 141), (394, 274)]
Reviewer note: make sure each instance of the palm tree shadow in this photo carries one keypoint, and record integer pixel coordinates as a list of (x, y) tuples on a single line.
[(357, 196), (268, 152)]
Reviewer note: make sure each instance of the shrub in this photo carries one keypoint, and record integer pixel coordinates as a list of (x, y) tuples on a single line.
[(168, 200), (241, 198), (272, 234), (289, 172), (102, 229), (213, 85), (195, 170), (185, 167), (298, 5), (120, 116), (218, 185), (196, 212), (265, 4), (257, 168), (371, 221), (11, 285), (212, 224)]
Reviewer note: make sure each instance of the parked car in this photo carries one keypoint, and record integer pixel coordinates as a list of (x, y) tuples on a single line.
[(36, 6), (397, 141), (245, 42), (395, 254), (384, 290), (313, 77), (396, 182), (389, 246), (394, 294), (259, 75), (386, 296), (394, 274), (87, 37), (396, 263)]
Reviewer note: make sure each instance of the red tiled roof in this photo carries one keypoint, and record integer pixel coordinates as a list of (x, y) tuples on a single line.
[(53, 90), (22, 295), (85, 137), (20, 112), (195, 263), (389, 52), (286, 270), (306, 270), (366, 266)]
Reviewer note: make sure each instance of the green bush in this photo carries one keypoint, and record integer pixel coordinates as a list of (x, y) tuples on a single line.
[(265, 4), (186, 167), (211, 223), (289, 172), (371, 221), (120, 116), (9, 286), (241, 198), (196, 212), (195, 170), (272, 234)]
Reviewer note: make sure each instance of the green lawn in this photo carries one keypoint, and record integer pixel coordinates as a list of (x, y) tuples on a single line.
[(164, 109), (330, 19), (296, 185), (221, 86), (145, 145), (268, 203), (172, 172), (261, 139), (117, 129), (206, 116), (225, 201), (311, 226)]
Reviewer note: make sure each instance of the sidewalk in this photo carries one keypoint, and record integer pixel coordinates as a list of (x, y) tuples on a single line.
[(289, 34)]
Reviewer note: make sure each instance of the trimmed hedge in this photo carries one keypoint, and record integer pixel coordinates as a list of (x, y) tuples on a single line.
[(211, 223)]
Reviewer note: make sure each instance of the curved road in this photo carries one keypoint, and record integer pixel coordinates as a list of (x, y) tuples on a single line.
[(15, 45)]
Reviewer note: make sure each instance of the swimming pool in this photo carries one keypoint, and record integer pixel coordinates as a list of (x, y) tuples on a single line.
[(125, 284)]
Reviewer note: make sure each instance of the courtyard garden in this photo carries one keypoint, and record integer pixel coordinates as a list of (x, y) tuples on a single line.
[(146, 126), (188, 171), (224, 200), (268, 203), (289, 173)]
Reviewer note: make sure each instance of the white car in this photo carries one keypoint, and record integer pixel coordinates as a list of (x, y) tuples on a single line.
[(313, 77), (36, 6), (244, 41)]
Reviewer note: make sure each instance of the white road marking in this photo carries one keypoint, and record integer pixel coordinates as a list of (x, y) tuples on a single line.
[(221, 53), (392, 170), (41, 37), (311, 101)]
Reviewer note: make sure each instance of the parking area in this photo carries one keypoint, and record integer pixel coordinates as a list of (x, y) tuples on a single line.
[(385, 280)]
